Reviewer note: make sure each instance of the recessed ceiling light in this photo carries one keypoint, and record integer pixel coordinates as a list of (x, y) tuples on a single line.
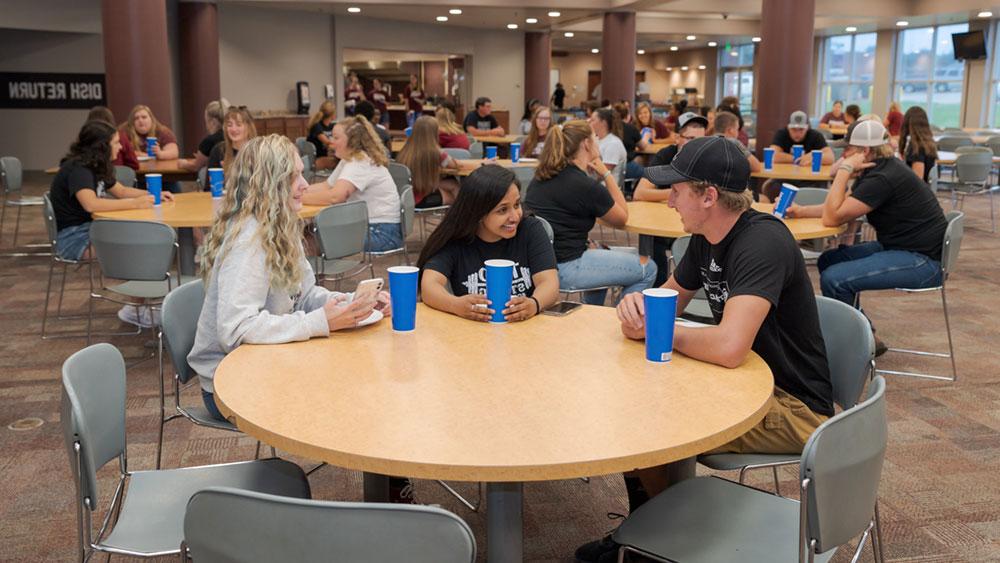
[(850, 29), (755, 39), (554, 14), (684, 68), (670, 68), (442, 18), (713, 44), (702, 67), (455, 12), (673, 47), (640, 52), (531, 20), (512, 26), (902, 23), (595, 51), (568, 34), (985, 14), (691, 37), (354, 10)]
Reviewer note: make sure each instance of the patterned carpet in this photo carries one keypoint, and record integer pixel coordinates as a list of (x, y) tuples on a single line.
[(939, 493)]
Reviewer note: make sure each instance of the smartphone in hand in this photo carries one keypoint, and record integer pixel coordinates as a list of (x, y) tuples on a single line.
[(367, 290)]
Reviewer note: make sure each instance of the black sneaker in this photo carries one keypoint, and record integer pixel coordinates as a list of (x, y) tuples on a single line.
[(880, 347), (593, 552)]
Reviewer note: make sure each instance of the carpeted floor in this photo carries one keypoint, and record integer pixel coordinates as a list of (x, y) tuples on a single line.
[(940, 495)]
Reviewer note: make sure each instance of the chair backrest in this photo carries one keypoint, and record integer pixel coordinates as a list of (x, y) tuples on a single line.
[(811, 196), (181, 309), (203, 177), (11, 173), (933, 176), (827, 134), (134, 250), (951, 142), (93, 412), (850, 348), (956, 131), (952, 240), (407, 209), (125, 176), (994, 144), (973, 166), (49, 213), (476, 149), (678, 248), (308, 149), (548, 228), (400, 175), (342, 229), (300, 144), (524, 175), (228, 525), (458, 154), (843, 462)]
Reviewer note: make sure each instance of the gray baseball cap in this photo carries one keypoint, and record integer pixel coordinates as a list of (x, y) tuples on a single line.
[(798, 120), (691, 118)]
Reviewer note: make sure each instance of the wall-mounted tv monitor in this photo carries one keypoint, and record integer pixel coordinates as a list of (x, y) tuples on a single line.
[(969, 46)]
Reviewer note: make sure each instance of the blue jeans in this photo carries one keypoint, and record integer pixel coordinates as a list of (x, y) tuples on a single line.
[(848, 270), (209, 399), (606, 267), (383, 237), (72, 242)]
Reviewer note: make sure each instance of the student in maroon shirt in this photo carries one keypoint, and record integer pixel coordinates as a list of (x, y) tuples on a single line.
[(126, 156), (894, 120), (354, 93), (378, 97), (414, 97)]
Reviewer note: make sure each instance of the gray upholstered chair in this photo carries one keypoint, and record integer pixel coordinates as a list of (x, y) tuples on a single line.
[(341, 231), (458, 154), (11, 176), (973, 170), (698, 306), (48, 213), (227, 525), (707, 519), (407, 211), (125, 176), (150, 517), (400, 175)]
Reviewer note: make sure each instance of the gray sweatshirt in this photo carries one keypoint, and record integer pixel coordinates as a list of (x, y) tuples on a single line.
[(241, 307)]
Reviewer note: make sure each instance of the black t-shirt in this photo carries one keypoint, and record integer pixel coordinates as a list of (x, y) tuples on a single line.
[(462, 262), (905, 214), (630, 138), (384, 135), (71, 178), (217, 155), (208, 143), (912, 155), (319, 129), (813, 141), (570, 201), (558, 97), (759, 257), (476, 121)]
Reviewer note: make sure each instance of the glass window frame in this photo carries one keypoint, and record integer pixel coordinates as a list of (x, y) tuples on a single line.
[(724, 58), (931, 85), (851, 82)]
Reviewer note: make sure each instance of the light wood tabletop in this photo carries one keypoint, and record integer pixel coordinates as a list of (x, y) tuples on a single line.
[(658, 219), (548, 398), (151, 166), (655, 147), (948, 158), (466, 167), (504, 140), (190, 209), (789, 171)]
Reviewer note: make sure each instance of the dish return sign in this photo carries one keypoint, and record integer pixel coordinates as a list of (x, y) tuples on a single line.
[(43, 90)]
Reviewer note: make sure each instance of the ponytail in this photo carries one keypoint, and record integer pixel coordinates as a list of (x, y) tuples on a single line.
[(325, 110), (561, 145)]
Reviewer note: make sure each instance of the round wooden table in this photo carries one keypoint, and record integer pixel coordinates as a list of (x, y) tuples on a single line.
[(660, 220), (789, 171), (549, 398), (468, 166), (187, 210), (170, 169)]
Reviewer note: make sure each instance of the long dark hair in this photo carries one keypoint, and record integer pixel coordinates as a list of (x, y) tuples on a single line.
[(529, 108), (916, 136), (92, 150), (481, 192)]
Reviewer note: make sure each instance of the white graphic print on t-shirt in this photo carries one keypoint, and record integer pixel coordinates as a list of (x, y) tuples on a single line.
[(476, 283), (716, 288)]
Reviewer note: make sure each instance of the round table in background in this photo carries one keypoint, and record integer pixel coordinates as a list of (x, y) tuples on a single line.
[(187, 210), (658, 219), (789, 171), (467, 166), (549, 398)]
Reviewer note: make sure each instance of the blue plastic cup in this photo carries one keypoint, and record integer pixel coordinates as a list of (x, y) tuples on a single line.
[(499, 276), (785, 199), (647, 131), (403, 294), (408, 131), (797, 151), (216, 180), (769, 159), (661, 310), (817, 161), (154, 185), (491, 151), (515, 152), (150, 143)]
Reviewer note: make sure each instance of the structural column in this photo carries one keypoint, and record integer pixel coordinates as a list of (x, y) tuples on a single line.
[(784, 64), (136, 57), (537, 62), (618, 57), (199, 62)]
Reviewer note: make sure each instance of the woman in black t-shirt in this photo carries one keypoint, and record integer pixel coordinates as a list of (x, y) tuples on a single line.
[(916, 142), (239, 128), (321, 134), (85, 174), (486, 222), (214, 112)]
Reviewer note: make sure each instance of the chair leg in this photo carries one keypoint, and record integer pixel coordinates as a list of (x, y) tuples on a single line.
[(48, 292), (950, 355), (878, 551), (17, 226), (163, 414), (461, 499), (947, 326), (777, 485)]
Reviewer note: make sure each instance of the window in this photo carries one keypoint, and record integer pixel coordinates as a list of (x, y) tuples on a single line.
[(736, 64), (848, 67), (928, 75), (994, 109)]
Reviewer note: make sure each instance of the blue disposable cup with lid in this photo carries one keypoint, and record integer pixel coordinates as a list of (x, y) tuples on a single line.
[(797, 152), (150, 143), (403, 295), (660, 305), (499, 276), (216, 181), (817, 161), (154, 185), (515, 152), (785, 199), (768, 159), (491, 152)]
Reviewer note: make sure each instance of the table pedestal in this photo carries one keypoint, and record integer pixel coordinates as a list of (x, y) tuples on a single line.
[(376, 487), (504, 522), (185, 239)]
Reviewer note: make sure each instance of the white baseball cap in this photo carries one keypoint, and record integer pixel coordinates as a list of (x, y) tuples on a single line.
[(869, 133)]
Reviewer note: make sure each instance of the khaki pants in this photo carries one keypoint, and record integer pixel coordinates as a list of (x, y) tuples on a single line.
[(784, 430)]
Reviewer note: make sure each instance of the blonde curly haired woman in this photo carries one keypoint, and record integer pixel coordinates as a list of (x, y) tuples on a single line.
[(260, 288), (362, 175)]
